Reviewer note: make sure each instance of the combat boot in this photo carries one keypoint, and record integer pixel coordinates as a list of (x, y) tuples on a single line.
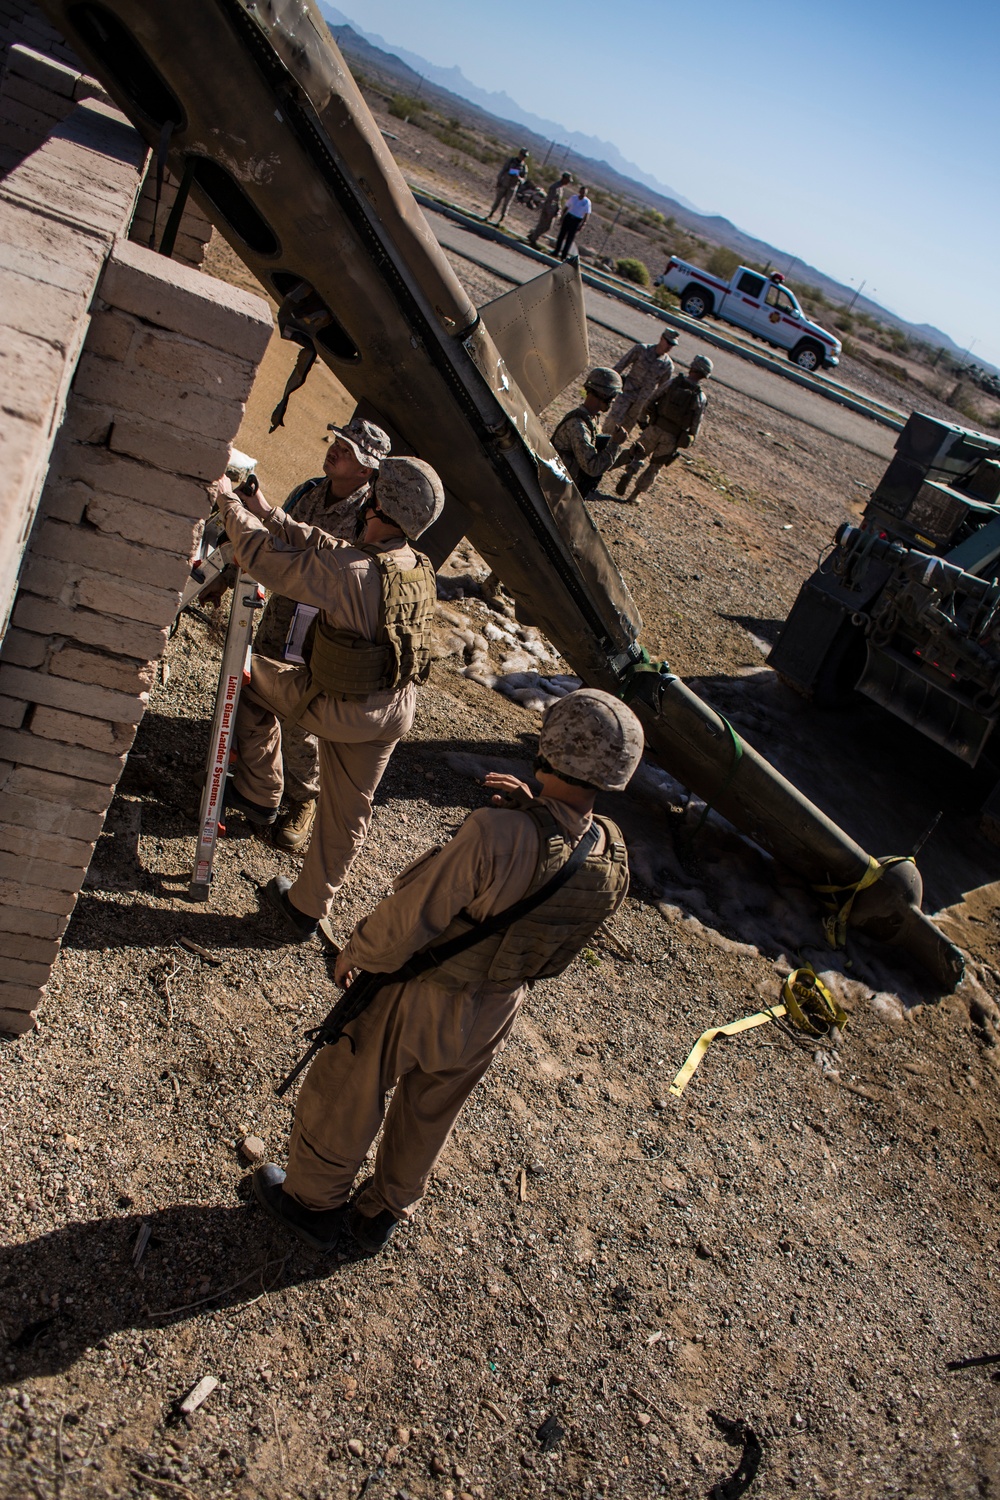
[(367, 1236), (299, 926), (321, 1228), (293, 830)]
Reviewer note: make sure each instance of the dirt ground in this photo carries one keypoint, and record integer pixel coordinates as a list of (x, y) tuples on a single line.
[(784, 1281)]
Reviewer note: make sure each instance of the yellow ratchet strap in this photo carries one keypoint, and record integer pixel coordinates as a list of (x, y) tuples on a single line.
[(835, 925), (701, 1046), (809, 1004)]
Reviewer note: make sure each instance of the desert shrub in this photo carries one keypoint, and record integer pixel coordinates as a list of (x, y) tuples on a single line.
[(404, 107), (844, 321), (634, 270), (897, 372), (849, 348), (663, 298), (723, 262)]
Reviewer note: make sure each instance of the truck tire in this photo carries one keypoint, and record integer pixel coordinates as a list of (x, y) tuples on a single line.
[(696, 302), (807, 355)]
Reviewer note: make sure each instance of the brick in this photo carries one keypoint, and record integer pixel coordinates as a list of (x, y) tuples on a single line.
[(24, 649), (12, 712), (77, 697), (33, 950), (17, 140), (28, 923), (121, 673), (114, 596), (24, 62), (14, 997), (122, 559), (34, 120), (23, 971), (170, 447), (99, 202), (31, 377), (178, 359), (143, 523), (65, 502), (78, 729), (47, 250), (26, 895), (86, 422), (89, 628), (88, 765), (44, 312), (114, 474), (15, 839), (57, 818), (89, 88), (35, 96), (174, 401), (52, 579), (40, 876), (110, 335), (17, 1022), (84, 797), (175, 297)]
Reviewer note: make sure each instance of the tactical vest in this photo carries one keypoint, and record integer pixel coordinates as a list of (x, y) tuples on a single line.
[(546, 941), (566, 454), (345, 665), (676, 408)]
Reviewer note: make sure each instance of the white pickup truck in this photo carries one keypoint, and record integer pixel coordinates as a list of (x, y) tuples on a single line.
[(758, 303)]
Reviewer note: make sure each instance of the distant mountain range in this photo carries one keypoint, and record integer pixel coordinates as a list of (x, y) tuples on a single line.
[(613, 170), (503, 107)]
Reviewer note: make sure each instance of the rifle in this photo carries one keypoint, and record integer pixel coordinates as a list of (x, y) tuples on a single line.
[(359, 995)]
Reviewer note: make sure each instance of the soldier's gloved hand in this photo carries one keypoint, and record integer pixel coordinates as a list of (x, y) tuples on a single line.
[(684, 441)]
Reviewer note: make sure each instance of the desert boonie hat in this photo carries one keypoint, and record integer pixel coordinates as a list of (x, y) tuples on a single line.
[(370, 443)]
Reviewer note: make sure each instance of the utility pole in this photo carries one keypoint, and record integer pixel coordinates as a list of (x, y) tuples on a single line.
[(857, 294), (614, 225)]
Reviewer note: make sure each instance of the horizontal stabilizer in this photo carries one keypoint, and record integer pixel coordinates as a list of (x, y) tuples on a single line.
[(540, 329)]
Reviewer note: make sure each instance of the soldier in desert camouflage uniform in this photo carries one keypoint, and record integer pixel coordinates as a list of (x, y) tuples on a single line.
[(670, 422), (550, 209), (586, 456), (334, 503), (430, 1040), (645, 369)]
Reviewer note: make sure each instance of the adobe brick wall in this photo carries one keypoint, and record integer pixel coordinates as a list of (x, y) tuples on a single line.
[(60, 211), (158, 395)]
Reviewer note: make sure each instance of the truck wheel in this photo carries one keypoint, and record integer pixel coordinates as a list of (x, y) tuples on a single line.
[(807, 356), (696, 303)]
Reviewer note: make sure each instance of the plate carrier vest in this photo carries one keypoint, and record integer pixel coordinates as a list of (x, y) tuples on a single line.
[(544, 943), (345, 665)]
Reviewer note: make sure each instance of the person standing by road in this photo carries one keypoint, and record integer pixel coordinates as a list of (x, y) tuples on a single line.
[(645, 369), (509, 179), (578, 211), (670, 422), (432, 1038), (550, 208), (333, 502), (586, 456), (357, 694)]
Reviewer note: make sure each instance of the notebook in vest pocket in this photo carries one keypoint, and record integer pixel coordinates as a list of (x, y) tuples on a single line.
[(296, 637)]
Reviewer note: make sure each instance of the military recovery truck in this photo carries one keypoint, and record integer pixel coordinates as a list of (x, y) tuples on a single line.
[(906, 608)]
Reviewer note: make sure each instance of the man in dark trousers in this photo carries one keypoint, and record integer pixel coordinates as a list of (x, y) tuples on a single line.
[(578, 211), (432, 1038)]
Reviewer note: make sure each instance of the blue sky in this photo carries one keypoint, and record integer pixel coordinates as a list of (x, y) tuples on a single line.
[(861, 137)]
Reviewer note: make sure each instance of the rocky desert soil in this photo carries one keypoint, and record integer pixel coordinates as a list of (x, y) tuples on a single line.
[(783, 1282)]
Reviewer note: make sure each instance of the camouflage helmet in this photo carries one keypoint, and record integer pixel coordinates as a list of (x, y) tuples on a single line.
[(593, 738), (604, 382), (701, 365), (368, 442), (410, 493)]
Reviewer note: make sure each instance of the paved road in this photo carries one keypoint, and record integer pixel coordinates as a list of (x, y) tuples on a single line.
[(731, 371)]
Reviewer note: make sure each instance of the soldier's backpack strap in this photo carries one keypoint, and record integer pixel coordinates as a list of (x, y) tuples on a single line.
[(299, 493)]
